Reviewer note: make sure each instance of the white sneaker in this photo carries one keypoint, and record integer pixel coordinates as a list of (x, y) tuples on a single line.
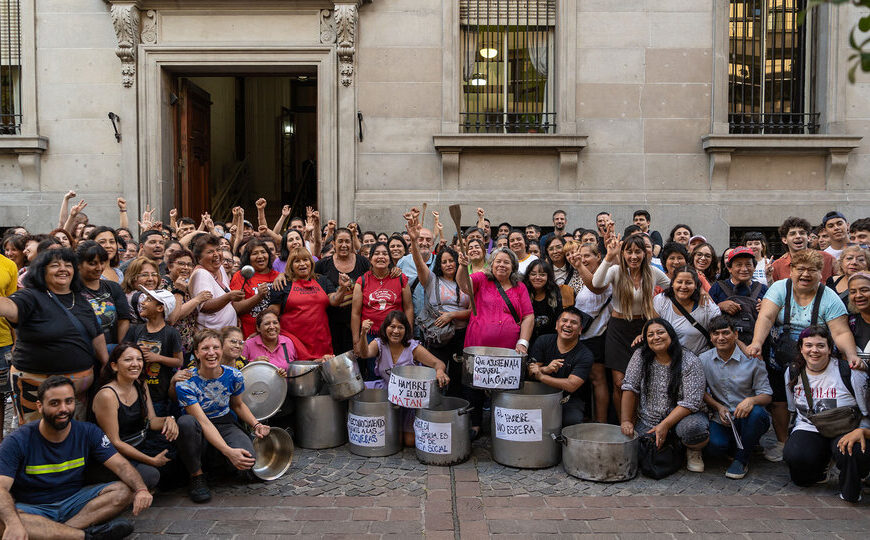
[(774, 453), (694, 460)]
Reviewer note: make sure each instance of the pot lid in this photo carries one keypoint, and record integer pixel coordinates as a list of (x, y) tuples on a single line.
[(265, 389)]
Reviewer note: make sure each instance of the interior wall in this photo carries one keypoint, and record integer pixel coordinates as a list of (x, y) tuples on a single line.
[(264, 97), (223, 126)]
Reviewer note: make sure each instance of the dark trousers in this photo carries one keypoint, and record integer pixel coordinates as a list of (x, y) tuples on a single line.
[(573, 410), (750, 429), (807, 454), (192, 444)]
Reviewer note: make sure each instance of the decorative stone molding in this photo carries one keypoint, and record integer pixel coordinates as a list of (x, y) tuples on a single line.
[(836, 148), (149, 28), (568, 148), (345, 29), (327, 27), (125, 19), (29, 151)]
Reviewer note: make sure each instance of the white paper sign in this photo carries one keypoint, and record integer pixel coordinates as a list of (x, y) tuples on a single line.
[(496, 372), (518, 424), (368, 431), (409, 393), (432, 437)]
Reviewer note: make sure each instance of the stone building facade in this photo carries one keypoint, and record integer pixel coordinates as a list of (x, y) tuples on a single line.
[(640, 104)]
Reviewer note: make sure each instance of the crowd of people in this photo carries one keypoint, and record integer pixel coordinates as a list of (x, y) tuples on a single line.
[(126, 345)]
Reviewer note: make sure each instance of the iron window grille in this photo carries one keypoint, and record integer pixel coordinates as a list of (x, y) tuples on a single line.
[(508, 56), (770, 68), (10, 67)]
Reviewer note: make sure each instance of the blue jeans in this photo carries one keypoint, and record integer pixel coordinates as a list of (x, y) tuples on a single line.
[(750, 429), (61, 511)]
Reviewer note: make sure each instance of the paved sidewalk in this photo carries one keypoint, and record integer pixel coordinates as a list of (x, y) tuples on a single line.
[(334, 494)]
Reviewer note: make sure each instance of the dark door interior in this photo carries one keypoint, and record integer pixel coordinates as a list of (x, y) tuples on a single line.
[(194, 147)]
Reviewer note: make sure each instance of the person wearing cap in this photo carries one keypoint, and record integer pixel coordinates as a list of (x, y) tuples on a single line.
[(794, 233), (695, 241), (160, 344), (838, 232)]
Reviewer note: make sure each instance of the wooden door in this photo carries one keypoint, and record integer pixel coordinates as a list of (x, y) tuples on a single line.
[(194, 147)]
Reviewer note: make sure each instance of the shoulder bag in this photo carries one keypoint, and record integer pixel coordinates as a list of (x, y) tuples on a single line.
[(832, 423), (785, 348), (434, 335), (694, 323)]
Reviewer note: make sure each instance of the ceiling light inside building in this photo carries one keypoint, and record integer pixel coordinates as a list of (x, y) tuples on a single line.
[(488, 52), (477, 80)]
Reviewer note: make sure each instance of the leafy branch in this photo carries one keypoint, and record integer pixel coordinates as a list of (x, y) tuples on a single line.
[(861, 55)]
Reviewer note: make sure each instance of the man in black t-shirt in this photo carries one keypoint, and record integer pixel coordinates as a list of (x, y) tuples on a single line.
[(561, 361)]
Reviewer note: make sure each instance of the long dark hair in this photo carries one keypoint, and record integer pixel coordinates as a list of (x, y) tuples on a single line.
[(800, 363), (679, 226), (102, 229), (696, 296), (399, 316), (712, 271), (675, 351), (249, 247), (35, 277), (551, 289), (107, 374), (449, 251), (285, 251)]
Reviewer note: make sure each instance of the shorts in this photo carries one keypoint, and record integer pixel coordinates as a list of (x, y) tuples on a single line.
[(63, 511), (5, 363), (24, 386)]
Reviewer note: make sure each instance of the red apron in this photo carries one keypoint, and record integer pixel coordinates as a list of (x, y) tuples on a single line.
[(304, 320)]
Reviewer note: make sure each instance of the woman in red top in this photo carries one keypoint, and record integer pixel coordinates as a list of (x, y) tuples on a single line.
[(302, 304), (257, 287), (376, 293)]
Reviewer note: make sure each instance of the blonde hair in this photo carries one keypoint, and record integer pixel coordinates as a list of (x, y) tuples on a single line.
[(298, 253), (625, 284), (851, 249), (809, 257), (133, 271)]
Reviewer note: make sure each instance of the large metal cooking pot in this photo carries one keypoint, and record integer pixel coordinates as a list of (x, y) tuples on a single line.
[(303, 378), (320, 422), (274, 454), (374, 425), (413, 387), (599, 452), (343, 377), (441, 433), (265, 389), (492, 368), (523, 423)]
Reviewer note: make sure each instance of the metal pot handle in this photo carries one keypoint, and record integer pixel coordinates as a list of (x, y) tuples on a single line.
[(313, 368), (465, 410), (559, 439)]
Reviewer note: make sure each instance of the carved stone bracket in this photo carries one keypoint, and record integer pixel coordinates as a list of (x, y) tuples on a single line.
[(149, 28), (125, 19), (327, 27), (345, 28)]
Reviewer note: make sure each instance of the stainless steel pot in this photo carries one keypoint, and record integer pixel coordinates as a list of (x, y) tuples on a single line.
[(441, 433), (343, 377), (265, 389), (320, 422), (599, 452), (492, 368), (413, 387), (374, 425), (274, 454), (304, 378), (523, 424)]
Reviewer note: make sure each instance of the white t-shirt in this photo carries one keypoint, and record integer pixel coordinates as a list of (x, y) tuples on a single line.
[(760, 273), (829, 392), (591, 303), (525, 263), (835, 253), (202, 280), (690, 337)]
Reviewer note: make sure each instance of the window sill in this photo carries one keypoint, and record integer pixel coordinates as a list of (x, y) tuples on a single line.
[(29, 149), (567, 147), (836, 148)]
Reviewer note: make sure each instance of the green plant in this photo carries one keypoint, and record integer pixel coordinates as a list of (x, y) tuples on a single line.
[(861, 55)]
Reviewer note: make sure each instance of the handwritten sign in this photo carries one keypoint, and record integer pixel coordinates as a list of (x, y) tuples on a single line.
[(432, 437), (368, 431), (518, 424), (410, 393), (496, 372)]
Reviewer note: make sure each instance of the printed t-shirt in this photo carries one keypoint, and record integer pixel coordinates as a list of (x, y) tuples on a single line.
[(110, 305), (380, 296), (8, 285), (494, 326), (830, 308), (303, 305), (165, 342), (213, 395), (449, 300), (829, 392), (47, 341), (46, 472), (249, 320), (578, 361)]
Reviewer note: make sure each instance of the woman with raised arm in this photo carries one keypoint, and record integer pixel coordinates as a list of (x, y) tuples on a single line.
[(256, 287)]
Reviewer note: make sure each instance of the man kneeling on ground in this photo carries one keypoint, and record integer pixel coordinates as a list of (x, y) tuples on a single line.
[(42, 465), (561, 361), (737, 392)]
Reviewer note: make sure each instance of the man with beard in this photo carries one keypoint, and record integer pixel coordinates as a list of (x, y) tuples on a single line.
[(151, 246), (42, 473), (560, 221)]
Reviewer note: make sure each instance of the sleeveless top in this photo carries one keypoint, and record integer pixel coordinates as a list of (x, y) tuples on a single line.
[(131, 425)]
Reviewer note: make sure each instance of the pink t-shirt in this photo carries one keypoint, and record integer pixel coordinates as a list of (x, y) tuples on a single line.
[(494, 326), (254, 348)]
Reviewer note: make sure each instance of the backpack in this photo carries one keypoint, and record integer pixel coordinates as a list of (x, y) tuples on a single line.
[(744, 321)]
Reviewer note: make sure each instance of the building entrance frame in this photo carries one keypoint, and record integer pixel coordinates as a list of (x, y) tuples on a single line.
[(156, 152)]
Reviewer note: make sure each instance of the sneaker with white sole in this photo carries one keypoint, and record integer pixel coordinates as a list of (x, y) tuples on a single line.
[(774, 453), (737, 470), (694, 460)]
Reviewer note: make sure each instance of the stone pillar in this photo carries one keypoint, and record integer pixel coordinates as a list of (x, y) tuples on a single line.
[(346, 15)]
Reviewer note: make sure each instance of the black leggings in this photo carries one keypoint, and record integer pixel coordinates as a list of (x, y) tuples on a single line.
[(807, 454)]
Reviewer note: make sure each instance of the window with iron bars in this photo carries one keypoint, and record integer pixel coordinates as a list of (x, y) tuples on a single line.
[(10, 67), (508, 59), (770, 68)]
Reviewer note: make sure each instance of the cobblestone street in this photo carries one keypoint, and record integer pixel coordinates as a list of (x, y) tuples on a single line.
[(334, 494)]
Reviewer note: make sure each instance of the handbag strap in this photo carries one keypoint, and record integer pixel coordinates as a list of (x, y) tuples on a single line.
[(693, 322), (286, 355), (817, 302), (507, 301), (600, 310), (75, 322)]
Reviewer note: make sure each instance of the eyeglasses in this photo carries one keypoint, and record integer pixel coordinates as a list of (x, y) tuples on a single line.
[(148, 274), (236, 341), (703, 256), (804, 270), (184, 264)]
